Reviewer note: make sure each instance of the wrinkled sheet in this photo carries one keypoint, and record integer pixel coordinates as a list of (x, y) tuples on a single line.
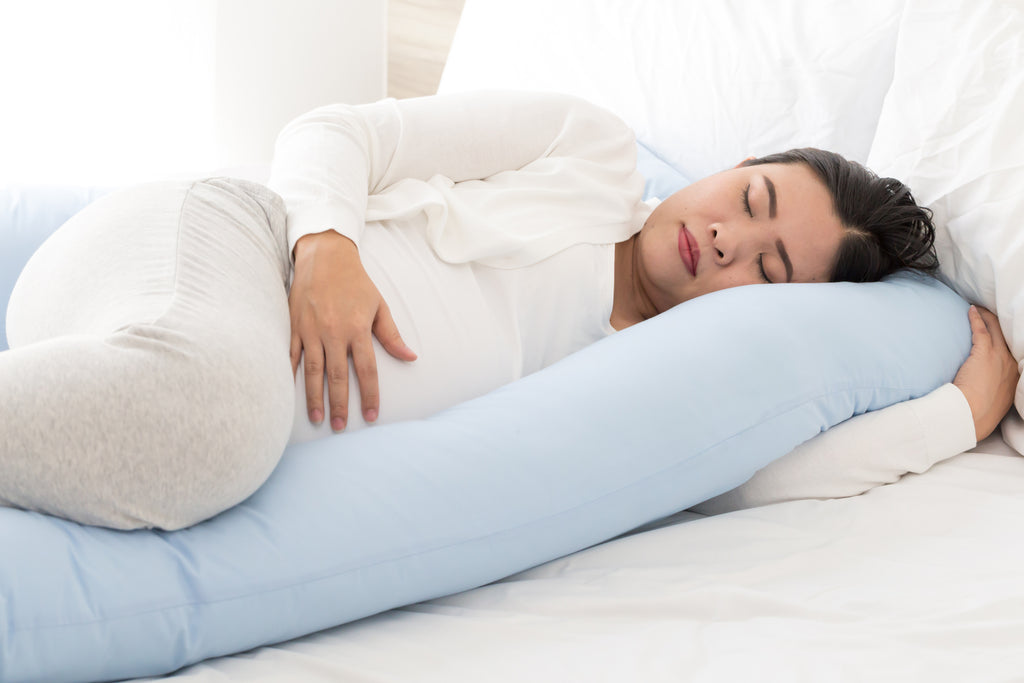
[(916, 581)]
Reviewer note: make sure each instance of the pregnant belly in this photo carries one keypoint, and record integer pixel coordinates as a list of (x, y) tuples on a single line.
[(463, 339)]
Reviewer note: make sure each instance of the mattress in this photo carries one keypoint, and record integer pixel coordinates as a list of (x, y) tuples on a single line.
[(913, 581)]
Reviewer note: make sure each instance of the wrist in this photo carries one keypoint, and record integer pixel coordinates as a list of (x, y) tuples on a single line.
[(328, 239)]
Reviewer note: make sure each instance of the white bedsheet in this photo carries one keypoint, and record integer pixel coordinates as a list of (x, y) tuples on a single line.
[(914, 581)]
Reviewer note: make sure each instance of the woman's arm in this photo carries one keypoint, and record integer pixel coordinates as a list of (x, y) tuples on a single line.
[(989, 376), (330, 160)]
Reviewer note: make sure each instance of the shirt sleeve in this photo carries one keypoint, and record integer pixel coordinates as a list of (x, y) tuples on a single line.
[(328, 161), (861, 453)]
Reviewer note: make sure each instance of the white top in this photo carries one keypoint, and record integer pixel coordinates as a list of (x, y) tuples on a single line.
[(487, 221)]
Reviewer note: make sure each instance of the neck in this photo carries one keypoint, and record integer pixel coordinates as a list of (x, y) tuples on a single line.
[(629, 305)]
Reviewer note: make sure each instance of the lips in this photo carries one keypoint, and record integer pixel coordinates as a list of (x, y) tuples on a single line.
[(688, 250)]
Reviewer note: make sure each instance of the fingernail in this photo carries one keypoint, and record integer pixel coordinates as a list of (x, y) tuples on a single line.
[(337, 424), (371, 415), (316, 416)]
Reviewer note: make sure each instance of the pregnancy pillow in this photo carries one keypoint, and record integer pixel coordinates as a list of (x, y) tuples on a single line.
[(28, 214), (646, 422)]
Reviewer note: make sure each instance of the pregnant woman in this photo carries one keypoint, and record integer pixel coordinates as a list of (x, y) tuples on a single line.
[(478, 237)]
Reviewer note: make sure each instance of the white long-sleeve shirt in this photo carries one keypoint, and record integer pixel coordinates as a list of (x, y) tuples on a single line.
[(488, 223)]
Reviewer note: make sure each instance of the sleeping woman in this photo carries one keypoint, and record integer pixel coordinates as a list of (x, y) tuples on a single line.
[(439, 247), (499, 232)]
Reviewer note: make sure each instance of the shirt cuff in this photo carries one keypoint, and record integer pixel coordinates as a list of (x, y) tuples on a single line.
[(313, 219), (946, 421)]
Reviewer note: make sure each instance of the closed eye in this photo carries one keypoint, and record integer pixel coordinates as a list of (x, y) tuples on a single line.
[(760, 266), (746, 200)]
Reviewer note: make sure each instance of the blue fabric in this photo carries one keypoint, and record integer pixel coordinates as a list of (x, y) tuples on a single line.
[(28, 215), (646, 422), (661, 178)]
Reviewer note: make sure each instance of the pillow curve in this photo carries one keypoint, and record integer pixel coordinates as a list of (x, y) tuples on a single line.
[(646, 422), (28, 215)]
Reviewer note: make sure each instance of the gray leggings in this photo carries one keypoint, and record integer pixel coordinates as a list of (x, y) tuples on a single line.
[(148, 382)]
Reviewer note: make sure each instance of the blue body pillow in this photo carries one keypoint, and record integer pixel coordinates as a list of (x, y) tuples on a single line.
[(28, 215), (648, 421), (661, 178)]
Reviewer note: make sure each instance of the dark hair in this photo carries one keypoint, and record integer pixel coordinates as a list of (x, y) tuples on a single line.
[(885, 228)]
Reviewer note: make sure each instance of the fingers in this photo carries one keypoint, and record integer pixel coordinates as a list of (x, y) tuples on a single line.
[(333, 356), (337, 382), (313, 369), (387, 334), (989, 376), (295, 351), (980, 337), (991, 325), (986, 335), (336, 312), (365, 363)]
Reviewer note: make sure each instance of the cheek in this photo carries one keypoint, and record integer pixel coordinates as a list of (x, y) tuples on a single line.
[(735, 278), (725, 280)]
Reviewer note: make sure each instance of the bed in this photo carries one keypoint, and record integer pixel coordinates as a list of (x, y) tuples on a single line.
[(914, 580)]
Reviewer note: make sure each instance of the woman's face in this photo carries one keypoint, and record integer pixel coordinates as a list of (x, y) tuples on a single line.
[(747, 225)]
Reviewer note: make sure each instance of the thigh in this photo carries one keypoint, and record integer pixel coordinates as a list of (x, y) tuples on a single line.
[(152, 252), (149, 359)]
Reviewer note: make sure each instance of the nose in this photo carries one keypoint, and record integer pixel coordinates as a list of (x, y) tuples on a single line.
[(723, 243)]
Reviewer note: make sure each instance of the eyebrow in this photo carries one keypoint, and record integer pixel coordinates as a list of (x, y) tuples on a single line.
[(772, 207), (771, 196), (784, 255)]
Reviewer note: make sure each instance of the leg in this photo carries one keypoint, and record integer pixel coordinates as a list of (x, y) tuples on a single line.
[(148, 382)]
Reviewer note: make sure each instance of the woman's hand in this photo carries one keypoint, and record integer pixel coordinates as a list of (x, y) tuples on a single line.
[(335, 310), (989, 376)]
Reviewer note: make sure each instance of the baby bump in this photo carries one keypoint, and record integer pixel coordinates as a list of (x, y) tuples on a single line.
[(464, 337)]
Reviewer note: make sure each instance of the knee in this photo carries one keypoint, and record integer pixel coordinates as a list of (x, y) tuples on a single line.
[(206, 471), (194, 484), (226, 441), (182, 461)]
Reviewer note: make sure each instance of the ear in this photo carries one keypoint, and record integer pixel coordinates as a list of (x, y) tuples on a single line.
[(742, 163)]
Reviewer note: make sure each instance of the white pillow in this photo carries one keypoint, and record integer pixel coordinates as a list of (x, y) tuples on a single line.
[(704, 84), (864, 452), (950, 128)]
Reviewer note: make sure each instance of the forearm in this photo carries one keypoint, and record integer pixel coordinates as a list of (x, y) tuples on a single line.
[(327, 162)]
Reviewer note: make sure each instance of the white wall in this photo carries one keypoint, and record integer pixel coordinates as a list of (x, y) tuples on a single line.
[(118, 91), (276, 59)]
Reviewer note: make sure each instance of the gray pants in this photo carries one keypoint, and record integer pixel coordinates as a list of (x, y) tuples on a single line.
[(148, 382)]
